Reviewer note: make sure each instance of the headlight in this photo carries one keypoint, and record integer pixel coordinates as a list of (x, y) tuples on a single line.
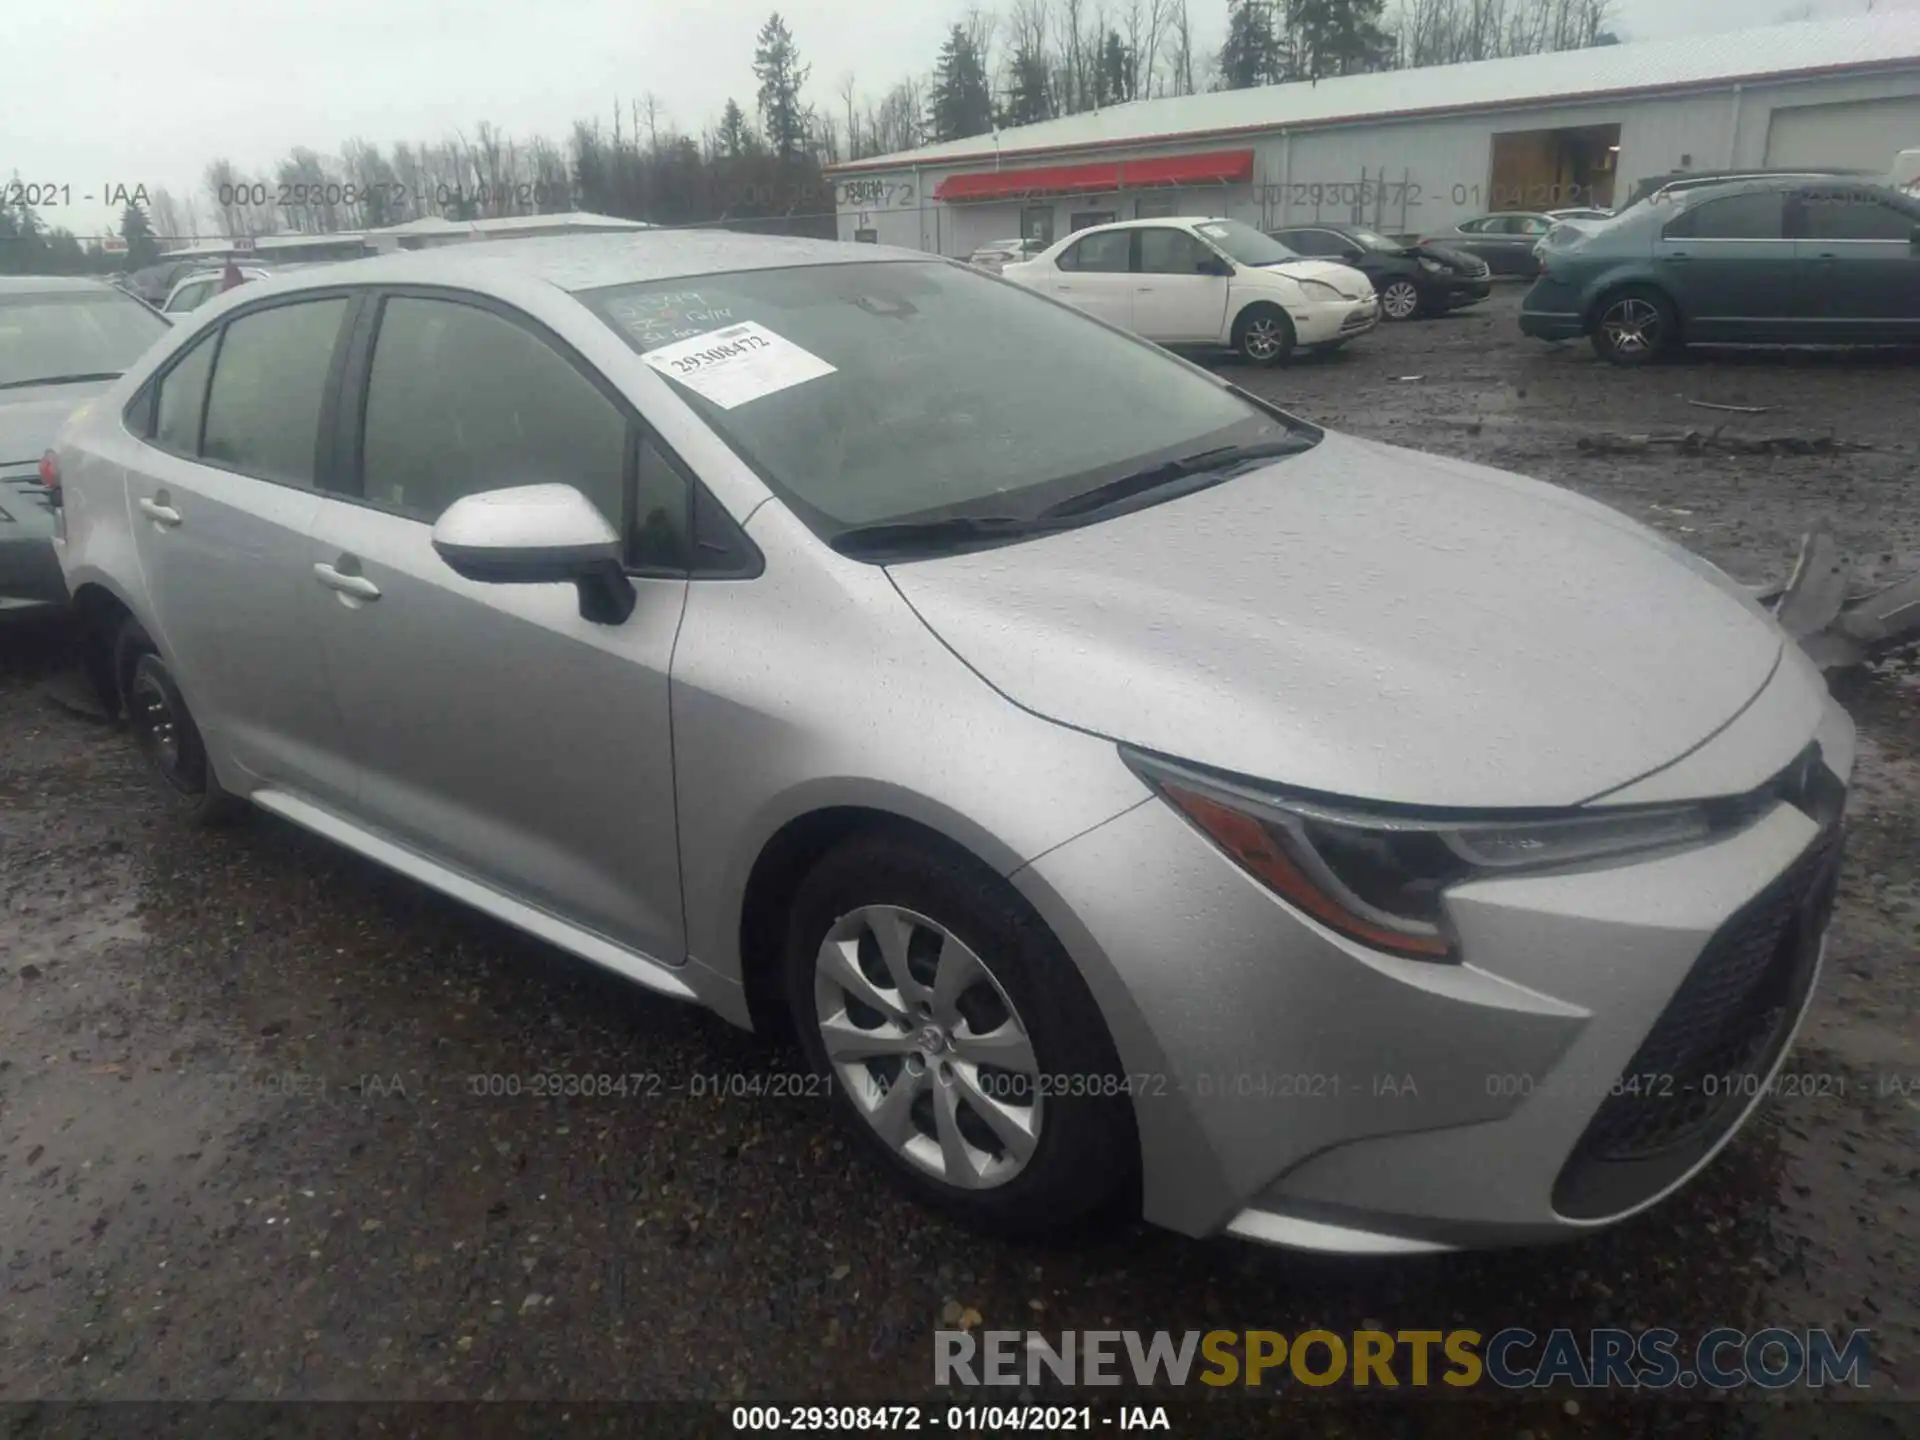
[(1379, 878), (1432, 267), (1320, 290)]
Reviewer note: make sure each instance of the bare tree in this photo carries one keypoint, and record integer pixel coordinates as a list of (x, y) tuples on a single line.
[(164, 214), (1180, 42)]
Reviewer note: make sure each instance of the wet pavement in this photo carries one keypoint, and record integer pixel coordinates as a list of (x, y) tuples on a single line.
[(253, 1145)]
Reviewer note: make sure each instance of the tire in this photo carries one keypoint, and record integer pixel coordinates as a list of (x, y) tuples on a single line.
[(1636, 325), (1263, 335), (1400, 299), (942, 908), (164, 731)]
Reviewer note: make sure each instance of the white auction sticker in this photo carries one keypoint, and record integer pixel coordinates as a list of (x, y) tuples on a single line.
[(737, 364)]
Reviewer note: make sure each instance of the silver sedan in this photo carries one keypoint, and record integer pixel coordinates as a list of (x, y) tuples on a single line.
[(1127, 791)]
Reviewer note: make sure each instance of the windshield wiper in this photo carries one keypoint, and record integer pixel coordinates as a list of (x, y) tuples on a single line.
[(1217, 464), (909, 537), (60, 379)]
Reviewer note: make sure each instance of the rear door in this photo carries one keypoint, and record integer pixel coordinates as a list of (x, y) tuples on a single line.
[(1736, 274), (498, 732), (1095, 273), (1173, 301), (221, 494), (1858, 249)]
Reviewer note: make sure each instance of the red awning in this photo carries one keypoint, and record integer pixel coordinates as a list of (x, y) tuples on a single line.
[(1217, 168)]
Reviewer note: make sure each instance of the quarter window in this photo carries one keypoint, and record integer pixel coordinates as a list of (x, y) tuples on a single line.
[(461, 400), (269, 384), (183, 399)]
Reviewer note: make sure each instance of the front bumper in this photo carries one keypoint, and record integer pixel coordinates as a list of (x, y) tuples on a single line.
[(1453, 293), (1322, 322), (1296, 1088)]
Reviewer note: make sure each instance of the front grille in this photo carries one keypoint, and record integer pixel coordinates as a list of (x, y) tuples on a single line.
[(1712, 1047), (1357, 319)]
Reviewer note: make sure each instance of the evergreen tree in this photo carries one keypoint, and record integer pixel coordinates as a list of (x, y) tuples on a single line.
[(1337, 37), (962, 100), (733, 131), (1251, 55), (137, 231), (1029, 89), (776, 65), (1113, 80)]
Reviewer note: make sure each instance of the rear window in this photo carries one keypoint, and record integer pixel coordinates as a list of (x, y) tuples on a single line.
[(48, 336), (868, 393)]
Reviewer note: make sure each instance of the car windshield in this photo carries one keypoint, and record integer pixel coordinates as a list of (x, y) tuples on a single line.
[(1374, 240), (47, 335), (1244, 243), (887, 391)]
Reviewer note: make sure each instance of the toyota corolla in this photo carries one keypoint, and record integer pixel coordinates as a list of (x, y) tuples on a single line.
[(1128, 792)]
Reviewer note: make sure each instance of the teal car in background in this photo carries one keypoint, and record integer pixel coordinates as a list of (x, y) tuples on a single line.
[(1764, 261)]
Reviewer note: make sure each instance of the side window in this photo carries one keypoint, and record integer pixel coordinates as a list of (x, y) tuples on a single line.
[(1535, 225), (1473, 227), (1104, 253), (269, 384), (657, 536), (1165, 251), (1850, 215), (182, 401), (462, 400), (1306, 242), (1756, 215)]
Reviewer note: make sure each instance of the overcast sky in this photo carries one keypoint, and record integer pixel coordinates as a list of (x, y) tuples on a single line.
[(126, 92)]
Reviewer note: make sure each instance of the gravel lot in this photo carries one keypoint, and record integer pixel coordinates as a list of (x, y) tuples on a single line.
[(241, 1156)]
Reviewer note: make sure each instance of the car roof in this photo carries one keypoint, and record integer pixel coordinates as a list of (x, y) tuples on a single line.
[(588, 262), (52, 284), (1189, 221)]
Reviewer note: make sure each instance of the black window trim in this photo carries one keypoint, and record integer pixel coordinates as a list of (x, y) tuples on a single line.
[(147, 399), (345, 479)]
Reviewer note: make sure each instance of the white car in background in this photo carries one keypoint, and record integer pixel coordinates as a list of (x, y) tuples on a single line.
[(194, 290), (996, 255), (1205, 281), (1569, 226)]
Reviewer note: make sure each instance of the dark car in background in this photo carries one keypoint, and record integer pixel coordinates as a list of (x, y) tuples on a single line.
[(1773, 261), (1505, 241), (62, 340), (1411, 280)]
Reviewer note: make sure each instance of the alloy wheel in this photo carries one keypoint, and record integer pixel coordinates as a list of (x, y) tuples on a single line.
[(1400, 300), (1264, 338), (1632, 326), (928, 1046)]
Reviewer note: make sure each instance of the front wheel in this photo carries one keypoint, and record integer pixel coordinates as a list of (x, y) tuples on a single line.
[(1263, 334), (1400, 300), (962, 1046), (1635, 327)]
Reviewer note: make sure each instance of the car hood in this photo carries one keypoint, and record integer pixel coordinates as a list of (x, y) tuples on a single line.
[(1455, 259), (1344, 278), (30, 418), (1370, 622)]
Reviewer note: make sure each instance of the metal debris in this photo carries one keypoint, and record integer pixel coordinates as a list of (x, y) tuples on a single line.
[(1735, 409), (1845, 614)]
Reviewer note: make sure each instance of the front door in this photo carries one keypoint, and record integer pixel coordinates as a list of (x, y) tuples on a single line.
[(1734, 271), (223, 493), (1095, 273), (1860, 252), (497, 731), (1173, 301)]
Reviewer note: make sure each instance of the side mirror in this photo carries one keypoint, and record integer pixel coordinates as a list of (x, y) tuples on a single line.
[(538, 535), (1214, 265)]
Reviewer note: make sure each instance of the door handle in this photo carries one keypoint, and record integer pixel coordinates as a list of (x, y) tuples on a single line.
[(355, 585), (160, 513), (1143, 289)]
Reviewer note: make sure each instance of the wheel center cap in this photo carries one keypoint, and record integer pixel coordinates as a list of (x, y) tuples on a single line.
[(932, 1039)]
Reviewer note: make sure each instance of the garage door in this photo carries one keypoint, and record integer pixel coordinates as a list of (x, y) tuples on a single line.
[(1855, 135)]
